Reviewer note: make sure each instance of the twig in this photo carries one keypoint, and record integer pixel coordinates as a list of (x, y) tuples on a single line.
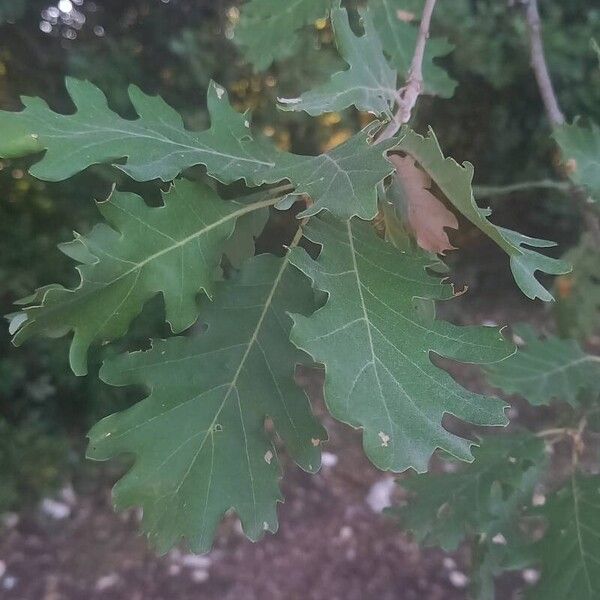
[(578, 443), (299, 233), (556, 431), (555, 115), (539, 66), (408, 95), (485, 191), (576, 435)]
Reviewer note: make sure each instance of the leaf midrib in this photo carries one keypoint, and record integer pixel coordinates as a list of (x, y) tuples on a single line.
[(136, 131), (138, 266), (367, 321), (233, 383)]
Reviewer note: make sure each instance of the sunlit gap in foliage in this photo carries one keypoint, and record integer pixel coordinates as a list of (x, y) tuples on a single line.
[(67, 18)]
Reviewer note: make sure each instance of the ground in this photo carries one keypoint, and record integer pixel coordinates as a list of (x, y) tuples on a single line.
[(330, 545)]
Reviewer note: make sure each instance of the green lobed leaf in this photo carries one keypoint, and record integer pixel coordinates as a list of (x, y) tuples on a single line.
[(343, 181), (173, 250), (157, 145), (577, 307), (268, 29), (480, 499), (375, 344), (399, 39), (481, 504), (241, 245), (455, 182), (369, 83), (547, 369), (580, 147), (199, 436), (569, 553), (493, 559)]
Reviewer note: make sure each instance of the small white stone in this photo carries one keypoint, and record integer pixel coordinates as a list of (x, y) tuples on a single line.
[(530, 576), (449, 467), (499, 539), (55, 510), (106, 582), (68, 495), (328, 459), (195, 561), (449, 563), (268, 457), (346, 532), (10, 520), (200, 576), (380, 494), (458, 579), (538, 499), (174, 570), (518, 340), (9, 582)]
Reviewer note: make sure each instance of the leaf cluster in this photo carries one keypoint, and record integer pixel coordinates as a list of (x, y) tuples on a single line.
[(353, 290)]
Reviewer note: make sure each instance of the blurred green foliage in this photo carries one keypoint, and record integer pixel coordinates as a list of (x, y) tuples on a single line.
[(11, 11), (174, 48), (33, 461)]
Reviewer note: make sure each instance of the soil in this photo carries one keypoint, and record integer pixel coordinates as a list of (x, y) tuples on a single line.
[(331, 544)]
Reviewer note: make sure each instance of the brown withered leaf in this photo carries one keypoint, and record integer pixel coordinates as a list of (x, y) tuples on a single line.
[(425, 215)]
